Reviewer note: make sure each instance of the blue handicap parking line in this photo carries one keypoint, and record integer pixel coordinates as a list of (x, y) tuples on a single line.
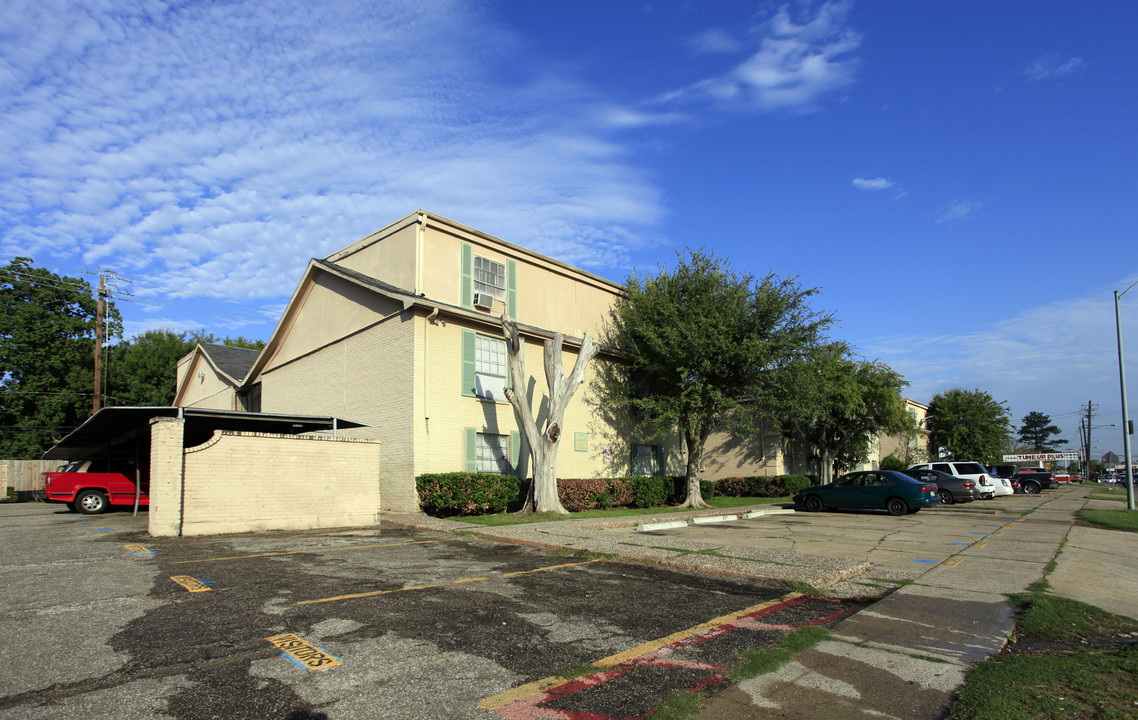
[(959, 543), (929, 562), (978, 532)]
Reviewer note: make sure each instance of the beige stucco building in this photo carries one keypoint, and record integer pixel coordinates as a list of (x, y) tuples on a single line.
[(401, 331)]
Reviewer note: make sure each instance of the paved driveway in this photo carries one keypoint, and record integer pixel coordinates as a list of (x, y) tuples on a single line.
[(100, 620)]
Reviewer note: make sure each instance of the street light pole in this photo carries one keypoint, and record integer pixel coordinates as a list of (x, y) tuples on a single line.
[(1122, 384)]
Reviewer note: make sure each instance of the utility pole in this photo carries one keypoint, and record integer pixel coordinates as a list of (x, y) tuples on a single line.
[(97, 403), (1087, 439)]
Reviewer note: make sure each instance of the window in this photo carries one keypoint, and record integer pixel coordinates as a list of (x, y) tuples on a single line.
[(485, 277), (490, 368), (493, 454), (646, 461), (489, 277)]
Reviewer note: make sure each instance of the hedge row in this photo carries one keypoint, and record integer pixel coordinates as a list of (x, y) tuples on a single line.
[(460, 493), (754, 486), (579, 494), (444, 494)]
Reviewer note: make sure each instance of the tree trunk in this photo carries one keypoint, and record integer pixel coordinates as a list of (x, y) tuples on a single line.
[(825, 466), (695, 444), (543, 445)]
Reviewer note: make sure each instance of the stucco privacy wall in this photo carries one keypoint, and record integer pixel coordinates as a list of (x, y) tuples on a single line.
[(242, 482)]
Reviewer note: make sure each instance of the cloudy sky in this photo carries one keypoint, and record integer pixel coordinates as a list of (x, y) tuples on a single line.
[(959, 177)]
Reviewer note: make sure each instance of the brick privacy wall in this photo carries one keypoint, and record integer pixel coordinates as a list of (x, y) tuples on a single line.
[(367, 377), (242, 482), (166, 476)]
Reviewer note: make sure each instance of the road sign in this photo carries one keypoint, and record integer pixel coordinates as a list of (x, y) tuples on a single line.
[(1042, 457)]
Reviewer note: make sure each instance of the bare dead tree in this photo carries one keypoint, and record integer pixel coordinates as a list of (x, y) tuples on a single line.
[(543, 444)]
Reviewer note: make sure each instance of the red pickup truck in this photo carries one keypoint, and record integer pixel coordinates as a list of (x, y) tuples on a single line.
[(93, 486)]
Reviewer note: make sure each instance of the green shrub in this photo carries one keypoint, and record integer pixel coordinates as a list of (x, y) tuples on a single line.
[(459, 493), (794, 483), (651, 491), (892, 462), (762, 486)]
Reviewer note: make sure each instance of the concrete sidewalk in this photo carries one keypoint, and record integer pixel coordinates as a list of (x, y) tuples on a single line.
[(904, 656)]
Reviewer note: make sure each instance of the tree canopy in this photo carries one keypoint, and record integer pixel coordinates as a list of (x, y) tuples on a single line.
[(1036, 432), (702, 347), (142, 370), (967, 425), (843, 402), (47, 342)]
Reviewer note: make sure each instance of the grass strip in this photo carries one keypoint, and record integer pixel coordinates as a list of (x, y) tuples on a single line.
[(1113, 519), (534, 517)]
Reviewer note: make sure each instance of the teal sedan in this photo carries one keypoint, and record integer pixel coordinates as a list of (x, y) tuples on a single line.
[(894, 492)]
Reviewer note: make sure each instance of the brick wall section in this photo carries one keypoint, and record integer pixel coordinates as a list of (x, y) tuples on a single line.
[(241, 482), (366, 377), (166, 475)]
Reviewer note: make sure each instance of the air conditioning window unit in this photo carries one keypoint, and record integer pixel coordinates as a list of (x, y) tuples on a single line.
[(483, 301)]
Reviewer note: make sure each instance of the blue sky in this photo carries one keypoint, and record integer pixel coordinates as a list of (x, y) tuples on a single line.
[(958, 177)]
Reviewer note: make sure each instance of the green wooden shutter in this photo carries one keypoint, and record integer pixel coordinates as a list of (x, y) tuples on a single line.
[(516, 453), (469, 379), (661, 459), (512, 289), (471, 450), (634, 462), (467, 299)]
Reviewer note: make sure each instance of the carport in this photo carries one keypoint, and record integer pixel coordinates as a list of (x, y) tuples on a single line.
[(128, 433)]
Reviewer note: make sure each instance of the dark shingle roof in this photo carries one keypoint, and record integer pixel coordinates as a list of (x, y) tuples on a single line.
[(233, 361)]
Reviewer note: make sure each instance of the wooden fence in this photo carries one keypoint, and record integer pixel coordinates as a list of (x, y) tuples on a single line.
[(24, 475)]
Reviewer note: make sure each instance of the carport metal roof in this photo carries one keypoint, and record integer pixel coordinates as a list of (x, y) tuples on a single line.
[(119, 425)]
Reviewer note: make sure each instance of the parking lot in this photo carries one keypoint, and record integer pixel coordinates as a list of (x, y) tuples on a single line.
[(100, 620)]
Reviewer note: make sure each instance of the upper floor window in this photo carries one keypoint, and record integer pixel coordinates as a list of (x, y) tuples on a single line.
[(489, 277)]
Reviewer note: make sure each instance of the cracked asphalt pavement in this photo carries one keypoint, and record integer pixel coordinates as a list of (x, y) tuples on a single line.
[(101, 620)]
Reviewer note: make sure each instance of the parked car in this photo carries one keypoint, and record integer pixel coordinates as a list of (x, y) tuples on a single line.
[(1031, 482), (91, 487), (950, 489), (895, 492), (966, 469)]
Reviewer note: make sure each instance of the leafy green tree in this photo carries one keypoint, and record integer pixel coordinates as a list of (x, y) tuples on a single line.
[(845, 402), (47, 335), (1036, 432), (142, 371), (201, 336), (968, 425), (703, 347)]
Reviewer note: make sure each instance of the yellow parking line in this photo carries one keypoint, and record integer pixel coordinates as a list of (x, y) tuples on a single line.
[(308, 552), (524, 691), (375, 593)]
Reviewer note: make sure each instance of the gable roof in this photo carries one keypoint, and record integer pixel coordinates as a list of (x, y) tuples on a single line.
[(231, 361)]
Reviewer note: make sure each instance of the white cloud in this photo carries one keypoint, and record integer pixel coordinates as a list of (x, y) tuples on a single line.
[(879, 183), (1053, 66), (1051, 358), (216, 147), (796, 63), (714, 41), (958, 210)]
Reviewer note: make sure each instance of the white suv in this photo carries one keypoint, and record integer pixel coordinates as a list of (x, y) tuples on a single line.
[(987, 486)]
